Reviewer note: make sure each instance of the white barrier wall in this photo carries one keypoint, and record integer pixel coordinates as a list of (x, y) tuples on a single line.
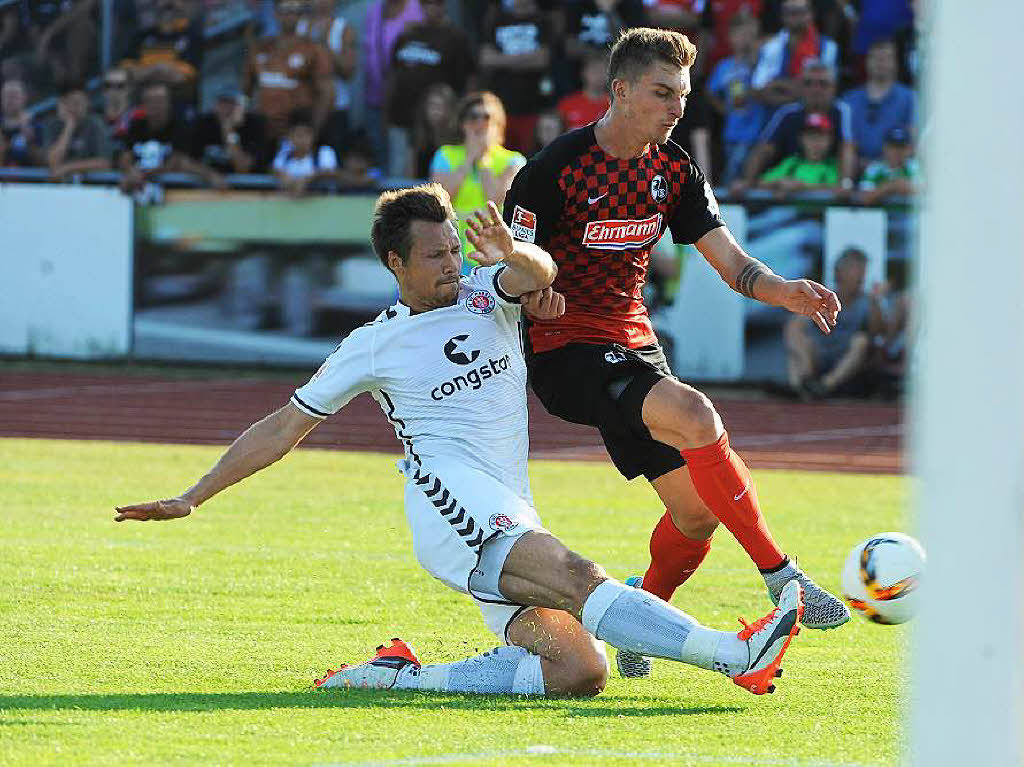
[(65, 271), (705, 321)]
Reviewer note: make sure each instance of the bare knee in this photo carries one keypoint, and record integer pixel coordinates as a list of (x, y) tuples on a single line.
[(695, 521), (691, 414), (587, 673)]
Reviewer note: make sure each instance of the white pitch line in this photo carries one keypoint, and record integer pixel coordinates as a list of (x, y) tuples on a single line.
[(546, 751)]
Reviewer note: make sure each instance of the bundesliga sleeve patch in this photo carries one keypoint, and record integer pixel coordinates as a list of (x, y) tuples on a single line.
[(524, 224)]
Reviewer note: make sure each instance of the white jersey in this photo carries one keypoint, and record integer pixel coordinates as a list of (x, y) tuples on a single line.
[(452, 381)]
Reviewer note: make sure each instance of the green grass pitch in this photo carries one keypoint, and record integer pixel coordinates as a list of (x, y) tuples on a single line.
[(196, 641)]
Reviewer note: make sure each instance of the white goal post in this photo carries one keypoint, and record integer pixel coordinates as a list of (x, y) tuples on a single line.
[(968, 406)]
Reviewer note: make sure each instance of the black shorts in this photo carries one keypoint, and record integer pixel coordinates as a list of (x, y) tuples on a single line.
[(604, 385)]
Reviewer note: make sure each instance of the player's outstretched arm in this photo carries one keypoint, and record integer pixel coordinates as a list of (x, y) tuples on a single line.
[(262, 444), (748, 276), (529, 267)]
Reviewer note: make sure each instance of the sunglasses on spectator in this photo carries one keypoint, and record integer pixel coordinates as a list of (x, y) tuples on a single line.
[(817, 82), (115, 84), (475, 116)]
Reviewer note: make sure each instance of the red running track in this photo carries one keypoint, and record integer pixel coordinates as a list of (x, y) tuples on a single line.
[(853, 437)]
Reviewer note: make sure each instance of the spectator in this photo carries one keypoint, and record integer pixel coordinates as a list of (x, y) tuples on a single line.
[(331, 30), (591, 102), (722, 13), (881, 19), (118, 105), (480, 168), (76, 141), (385, 22), (730, 94), (63, 35), (693, 131), (10, 41), (781, 136), (300, 161), (357, 169), (813, 169), (897, 173), (881, 104), (170, 50), (289, 72), (819, 365), (156, 143), (23, 133), (782, 57), (682, 15), (432, 127), (231, 139), (515, 57), (595, 24), (431, 51), (549, 127)]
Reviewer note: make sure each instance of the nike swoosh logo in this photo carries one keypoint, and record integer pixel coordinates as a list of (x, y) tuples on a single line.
[(746, 487), (592, 200)]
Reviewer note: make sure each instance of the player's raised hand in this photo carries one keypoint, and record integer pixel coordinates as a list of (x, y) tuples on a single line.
[(546, 304), (813, 300), (488, 234), (171, 508)]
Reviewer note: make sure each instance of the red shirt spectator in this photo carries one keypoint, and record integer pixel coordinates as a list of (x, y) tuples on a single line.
[(722, 13), (588, 104)]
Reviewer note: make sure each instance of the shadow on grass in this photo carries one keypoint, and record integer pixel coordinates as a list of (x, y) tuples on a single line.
[(610, 706)]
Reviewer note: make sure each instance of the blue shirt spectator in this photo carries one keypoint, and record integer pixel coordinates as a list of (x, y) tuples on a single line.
[(880, 19), (881, 104), (782, 57), (731, 94)]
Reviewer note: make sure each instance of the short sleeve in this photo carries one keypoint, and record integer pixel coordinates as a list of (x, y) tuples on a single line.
[(439, 163), (487, 278), (327, 159), (533, 203), (281, 158), (697, 212), (348, 371)]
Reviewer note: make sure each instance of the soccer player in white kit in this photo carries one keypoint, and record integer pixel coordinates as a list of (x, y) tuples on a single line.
[(446, 365)]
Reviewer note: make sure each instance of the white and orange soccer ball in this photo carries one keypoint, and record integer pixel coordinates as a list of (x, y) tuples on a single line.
[(882, 577)]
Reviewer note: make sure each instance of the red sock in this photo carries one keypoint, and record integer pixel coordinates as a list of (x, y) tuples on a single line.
[(724, 484), (674, 558)]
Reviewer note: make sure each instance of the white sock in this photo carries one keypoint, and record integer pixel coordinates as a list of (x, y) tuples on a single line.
[(631, 619), (499, 671)]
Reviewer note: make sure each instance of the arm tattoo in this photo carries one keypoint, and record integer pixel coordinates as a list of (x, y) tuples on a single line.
[(748, 276)]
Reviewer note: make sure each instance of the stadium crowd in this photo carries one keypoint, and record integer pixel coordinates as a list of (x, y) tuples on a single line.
[(789, 95)]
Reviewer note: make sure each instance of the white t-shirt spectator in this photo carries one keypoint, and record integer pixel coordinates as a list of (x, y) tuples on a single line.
[(301, 167)]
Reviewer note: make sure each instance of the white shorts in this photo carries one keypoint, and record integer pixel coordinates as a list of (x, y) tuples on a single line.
[(453, 510)]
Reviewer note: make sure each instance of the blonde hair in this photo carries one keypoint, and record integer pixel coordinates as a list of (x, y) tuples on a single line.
[(640, 47)]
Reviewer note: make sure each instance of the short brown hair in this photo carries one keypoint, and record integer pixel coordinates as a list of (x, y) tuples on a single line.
[(396, 210), (640, 47)]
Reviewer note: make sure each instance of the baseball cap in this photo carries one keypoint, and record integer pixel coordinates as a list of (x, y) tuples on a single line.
[(897, 135), (818, 121)]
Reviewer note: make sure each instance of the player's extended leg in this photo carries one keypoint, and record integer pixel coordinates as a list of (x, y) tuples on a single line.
[(540, 570), (683, 417), (550, 654)]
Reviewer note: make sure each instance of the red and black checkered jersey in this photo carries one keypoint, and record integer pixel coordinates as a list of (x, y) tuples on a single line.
[(599, 216)]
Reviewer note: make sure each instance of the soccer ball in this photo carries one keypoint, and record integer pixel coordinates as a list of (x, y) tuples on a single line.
[(882, 576)]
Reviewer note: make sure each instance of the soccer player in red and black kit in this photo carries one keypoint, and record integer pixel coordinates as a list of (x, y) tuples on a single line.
[(598, 199)]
